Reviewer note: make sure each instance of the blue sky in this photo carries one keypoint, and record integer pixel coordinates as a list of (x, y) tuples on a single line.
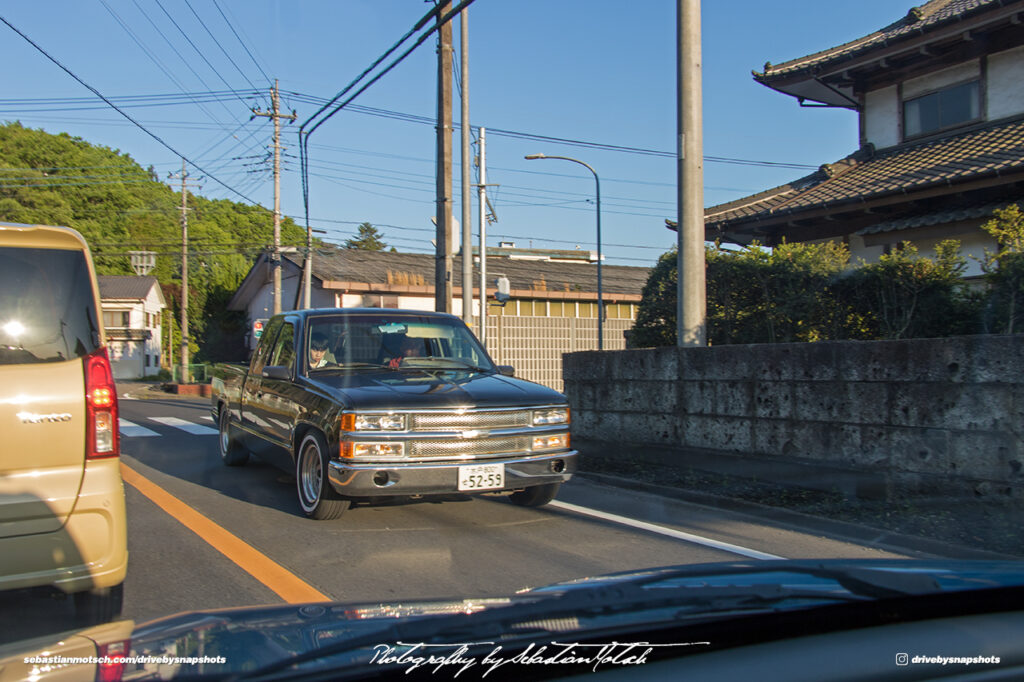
[(588, 70)]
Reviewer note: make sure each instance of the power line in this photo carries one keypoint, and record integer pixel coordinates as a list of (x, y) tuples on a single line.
[(198, 51), (218, 43), (123, 113), (240, 41)]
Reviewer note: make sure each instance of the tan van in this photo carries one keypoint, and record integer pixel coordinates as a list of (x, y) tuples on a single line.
[(62, 509)]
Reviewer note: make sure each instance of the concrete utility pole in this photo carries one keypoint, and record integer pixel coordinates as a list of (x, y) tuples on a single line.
[(467, 198), (276, 115), (443, 263), (482, 196), (691, 302)]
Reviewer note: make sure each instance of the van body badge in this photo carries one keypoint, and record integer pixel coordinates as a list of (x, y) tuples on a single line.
[(33, 418), (475, 433)]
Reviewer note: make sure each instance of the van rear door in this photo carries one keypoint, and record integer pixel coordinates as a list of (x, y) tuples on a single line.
[(48, 327)]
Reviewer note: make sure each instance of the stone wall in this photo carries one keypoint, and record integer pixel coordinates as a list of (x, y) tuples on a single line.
[(937, 416)]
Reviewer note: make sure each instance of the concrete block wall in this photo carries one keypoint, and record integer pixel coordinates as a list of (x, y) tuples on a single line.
[(938, 416)]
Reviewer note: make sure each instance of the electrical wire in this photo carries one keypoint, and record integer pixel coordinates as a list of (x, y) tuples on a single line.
[(240, 41), (122, 112)]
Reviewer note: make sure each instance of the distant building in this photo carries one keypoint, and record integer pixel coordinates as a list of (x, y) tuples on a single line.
[(941, 104), (132, 316), (552, 306)]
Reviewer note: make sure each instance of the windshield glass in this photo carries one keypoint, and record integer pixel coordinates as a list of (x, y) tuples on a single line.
[(392, 341)]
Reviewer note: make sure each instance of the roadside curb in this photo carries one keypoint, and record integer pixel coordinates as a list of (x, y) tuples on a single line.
[(140, 391), (841, 530)]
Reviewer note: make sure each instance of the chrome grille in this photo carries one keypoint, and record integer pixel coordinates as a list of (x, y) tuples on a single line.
[(469, 448), (443, 421)]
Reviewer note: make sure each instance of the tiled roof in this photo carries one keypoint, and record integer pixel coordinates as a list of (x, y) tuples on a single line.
[(982, 210), (125, 287), (383, 267), (990, 150), (928, 17)]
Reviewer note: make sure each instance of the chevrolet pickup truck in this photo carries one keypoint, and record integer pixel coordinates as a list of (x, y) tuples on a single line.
[(361, 404)]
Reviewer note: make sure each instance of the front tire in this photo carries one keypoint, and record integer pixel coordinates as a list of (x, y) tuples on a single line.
[(231, 453), (316, 496), (537, 496)]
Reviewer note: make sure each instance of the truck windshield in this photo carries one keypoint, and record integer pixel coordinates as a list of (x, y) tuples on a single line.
[(392, 341)]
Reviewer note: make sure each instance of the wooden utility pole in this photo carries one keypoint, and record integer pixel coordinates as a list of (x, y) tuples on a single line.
[(443, 257), (184, 378), (276, 115)]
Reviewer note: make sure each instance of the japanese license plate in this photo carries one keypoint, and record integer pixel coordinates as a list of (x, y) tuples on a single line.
[(482, 477)]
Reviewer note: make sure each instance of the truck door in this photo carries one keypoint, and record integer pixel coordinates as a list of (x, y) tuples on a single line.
[(274, 405)]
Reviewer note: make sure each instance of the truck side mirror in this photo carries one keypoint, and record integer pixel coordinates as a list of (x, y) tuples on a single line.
[(277, 372)]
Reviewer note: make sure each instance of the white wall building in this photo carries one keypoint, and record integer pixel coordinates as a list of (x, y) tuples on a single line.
[(132, 316)]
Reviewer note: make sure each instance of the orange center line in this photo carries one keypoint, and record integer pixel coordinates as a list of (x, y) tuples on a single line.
[(276, 577)]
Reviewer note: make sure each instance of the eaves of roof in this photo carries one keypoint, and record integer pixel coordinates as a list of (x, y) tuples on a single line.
[(993, 150), (414, 273), (930, 17)]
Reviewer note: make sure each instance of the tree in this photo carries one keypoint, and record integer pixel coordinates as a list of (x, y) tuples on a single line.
[(907, 295), (368, 238), (1004, 271), (119, 206)]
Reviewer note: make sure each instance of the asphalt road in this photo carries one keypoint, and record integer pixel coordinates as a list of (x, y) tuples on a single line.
[(203, 536)]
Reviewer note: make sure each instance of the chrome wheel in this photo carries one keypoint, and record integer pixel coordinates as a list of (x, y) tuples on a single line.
[(316, 496), (231, 453)]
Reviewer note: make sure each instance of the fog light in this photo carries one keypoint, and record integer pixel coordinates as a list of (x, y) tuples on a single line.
[(558, 441), (381, 479), (350, 450)]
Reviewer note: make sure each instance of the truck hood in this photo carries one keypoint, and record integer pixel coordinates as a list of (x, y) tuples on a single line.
[(433, 389)]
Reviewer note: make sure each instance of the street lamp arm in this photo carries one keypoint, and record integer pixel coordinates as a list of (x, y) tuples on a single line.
[(600, 295)]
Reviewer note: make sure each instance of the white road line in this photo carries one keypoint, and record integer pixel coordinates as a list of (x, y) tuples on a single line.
[(662, 530), (207, 417), (132, 430), (187, 426)]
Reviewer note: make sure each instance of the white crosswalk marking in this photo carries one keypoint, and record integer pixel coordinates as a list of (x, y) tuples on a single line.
[(133, 430), (187, 426)]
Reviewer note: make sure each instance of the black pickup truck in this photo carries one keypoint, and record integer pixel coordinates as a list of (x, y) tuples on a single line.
[(367, 403)]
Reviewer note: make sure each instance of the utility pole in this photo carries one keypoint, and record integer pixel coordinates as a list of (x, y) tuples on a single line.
[(482, 193), (276, 115), (443, 257), (691, 300), (467, 199), (184, 273)]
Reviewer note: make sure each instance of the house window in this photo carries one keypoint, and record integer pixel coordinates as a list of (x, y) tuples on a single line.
[(116, 319), (946, 108)]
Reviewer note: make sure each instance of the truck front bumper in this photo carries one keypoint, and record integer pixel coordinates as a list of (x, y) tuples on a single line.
[(436, 478)]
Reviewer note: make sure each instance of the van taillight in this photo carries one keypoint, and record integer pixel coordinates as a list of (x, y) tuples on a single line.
[(112, 660), (100, 407)]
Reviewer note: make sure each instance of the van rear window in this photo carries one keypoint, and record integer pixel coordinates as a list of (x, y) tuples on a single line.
[(47, 308)]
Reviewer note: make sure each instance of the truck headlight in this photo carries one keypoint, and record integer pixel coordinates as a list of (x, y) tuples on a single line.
[(373, 422), (551, 415), (558, 441), (357, 449)]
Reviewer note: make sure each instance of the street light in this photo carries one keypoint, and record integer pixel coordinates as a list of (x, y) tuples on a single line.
[(600, 296)]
